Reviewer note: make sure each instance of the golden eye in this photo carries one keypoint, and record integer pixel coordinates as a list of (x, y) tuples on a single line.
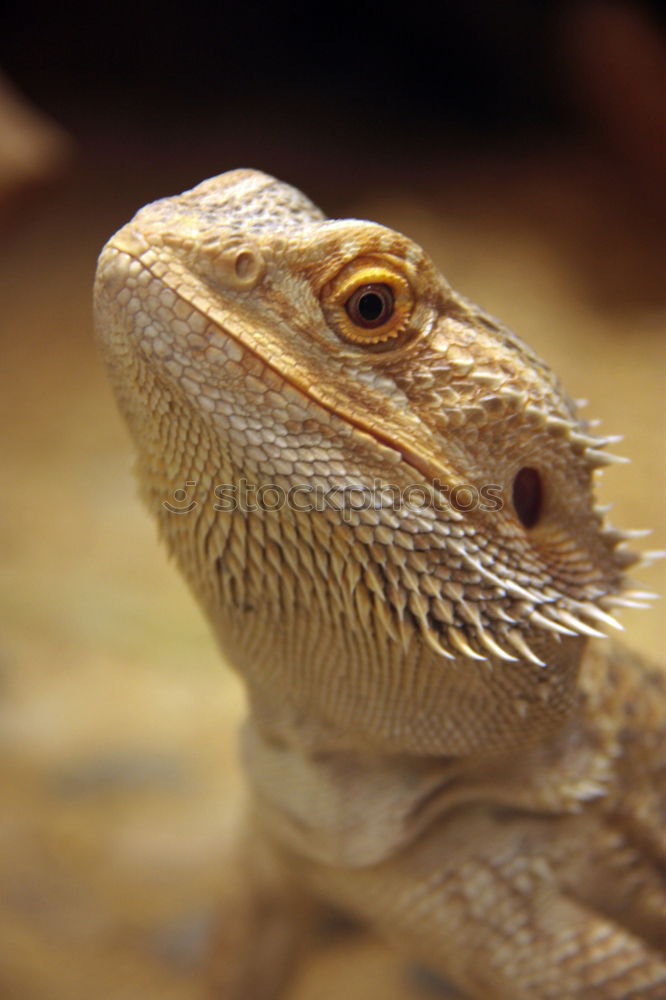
[(370, 306), (369, 303)]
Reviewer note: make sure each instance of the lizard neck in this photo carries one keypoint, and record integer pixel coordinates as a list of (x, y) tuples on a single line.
[(344, 690), (325, 804)]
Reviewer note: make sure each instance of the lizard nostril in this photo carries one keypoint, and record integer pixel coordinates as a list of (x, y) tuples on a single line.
[(527, 496), (246, 266)]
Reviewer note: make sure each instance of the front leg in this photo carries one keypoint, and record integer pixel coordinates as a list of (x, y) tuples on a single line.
[(478, 901), (266, 924)]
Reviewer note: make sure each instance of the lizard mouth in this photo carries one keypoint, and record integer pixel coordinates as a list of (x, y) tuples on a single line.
[(425, 464)]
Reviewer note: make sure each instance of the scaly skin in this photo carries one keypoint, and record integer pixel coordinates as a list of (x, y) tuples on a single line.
[(434, 745)]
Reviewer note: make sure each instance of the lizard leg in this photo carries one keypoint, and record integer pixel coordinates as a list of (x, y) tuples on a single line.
[(477, 903), (265, 925)]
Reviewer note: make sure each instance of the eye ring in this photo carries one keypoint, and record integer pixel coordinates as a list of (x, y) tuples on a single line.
[(370, 306), (370, 302)]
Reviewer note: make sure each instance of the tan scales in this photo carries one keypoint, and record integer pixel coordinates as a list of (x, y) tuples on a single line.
[(437, 745)]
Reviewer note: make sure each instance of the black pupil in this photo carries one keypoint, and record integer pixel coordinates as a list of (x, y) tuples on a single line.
[(371, 305)]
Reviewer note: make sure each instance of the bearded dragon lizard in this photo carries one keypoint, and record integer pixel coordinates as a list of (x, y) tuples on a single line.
[(382, 500)]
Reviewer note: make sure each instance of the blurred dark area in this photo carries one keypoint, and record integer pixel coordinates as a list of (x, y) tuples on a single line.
[(361, 97), (522, 143), (500, 68), (474, 65), (375, 82)]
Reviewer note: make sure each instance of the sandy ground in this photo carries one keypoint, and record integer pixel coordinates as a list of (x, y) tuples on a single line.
[(117, 719)]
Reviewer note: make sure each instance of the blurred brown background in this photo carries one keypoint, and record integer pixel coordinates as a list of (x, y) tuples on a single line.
[(518, 142)]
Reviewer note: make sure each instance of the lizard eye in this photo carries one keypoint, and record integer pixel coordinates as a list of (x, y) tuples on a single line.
[(370, 306), (369, 303), (527, 496)]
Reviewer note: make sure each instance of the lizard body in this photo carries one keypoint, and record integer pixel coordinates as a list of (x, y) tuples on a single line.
[(382, 500)]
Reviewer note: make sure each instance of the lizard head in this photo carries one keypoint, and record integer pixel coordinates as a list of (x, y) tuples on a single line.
[(418, 485)]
